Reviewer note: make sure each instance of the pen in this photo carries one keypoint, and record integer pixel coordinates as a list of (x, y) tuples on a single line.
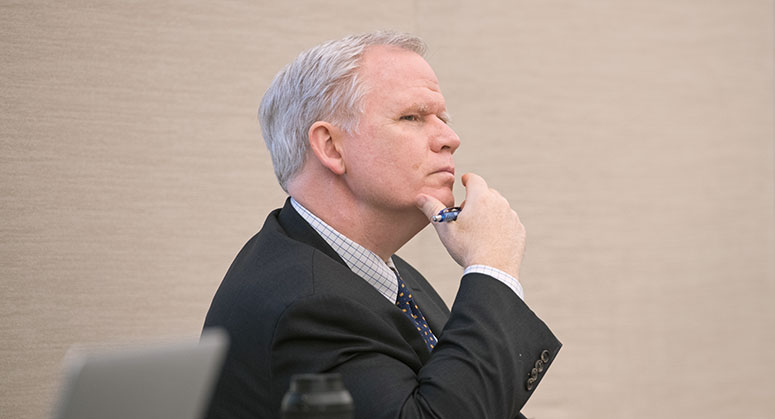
[(446, 215)]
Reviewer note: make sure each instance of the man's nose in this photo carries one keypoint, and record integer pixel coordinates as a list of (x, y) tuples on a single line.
[(445, 138)]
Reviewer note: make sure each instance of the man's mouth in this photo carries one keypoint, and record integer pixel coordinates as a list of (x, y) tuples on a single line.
[(447, 169)]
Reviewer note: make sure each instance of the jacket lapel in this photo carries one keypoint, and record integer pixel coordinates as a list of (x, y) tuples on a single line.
[(344, 280)]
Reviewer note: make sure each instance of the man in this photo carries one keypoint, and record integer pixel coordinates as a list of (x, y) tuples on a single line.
[(357, 129)]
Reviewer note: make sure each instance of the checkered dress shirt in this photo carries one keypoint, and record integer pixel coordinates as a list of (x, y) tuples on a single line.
[(374, 270)]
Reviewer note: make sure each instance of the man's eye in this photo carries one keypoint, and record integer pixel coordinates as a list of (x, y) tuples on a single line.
[(410, 118)]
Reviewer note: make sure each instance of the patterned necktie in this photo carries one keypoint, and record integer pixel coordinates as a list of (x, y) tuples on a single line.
[(407, 305)]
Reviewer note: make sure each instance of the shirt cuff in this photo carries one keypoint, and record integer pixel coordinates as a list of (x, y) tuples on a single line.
[(498, 274)]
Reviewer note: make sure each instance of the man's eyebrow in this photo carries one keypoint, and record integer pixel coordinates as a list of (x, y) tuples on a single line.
[(418, 107)]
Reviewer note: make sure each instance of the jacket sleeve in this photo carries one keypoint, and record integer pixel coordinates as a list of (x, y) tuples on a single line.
[(490, 357)]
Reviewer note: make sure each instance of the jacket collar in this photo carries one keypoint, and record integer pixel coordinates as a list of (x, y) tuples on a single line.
[(298, 229)]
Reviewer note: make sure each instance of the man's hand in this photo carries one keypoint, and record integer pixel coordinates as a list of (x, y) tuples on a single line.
[(487, 231)]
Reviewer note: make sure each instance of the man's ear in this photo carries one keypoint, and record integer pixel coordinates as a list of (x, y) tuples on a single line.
[(325, 142)]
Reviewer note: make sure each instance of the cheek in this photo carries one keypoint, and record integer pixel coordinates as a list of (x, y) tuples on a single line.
[(395, 156)]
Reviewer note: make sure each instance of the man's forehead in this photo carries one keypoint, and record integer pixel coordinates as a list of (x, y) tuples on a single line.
[(391, 63)]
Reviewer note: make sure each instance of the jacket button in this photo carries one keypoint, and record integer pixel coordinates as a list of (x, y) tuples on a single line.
[(530, 382)]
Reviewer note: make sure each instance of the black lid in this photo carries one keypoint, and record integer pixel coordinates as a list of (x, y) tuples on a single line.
[(312, 383)]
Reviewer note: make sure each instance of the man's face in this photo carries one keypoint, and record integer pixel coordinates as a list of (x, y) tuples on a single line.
[(403, 146)]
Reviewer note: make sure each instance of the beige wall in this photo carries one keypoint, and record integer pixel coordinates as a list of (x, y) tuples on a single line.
[(635, 138)]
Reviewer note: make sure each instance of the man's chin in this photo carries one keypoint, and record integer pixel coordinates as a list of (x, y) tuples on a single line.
[(445, 196)]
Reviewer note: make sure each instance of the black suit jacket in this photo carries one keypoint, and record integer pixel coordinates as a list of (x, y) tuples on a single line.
[(291, 305)]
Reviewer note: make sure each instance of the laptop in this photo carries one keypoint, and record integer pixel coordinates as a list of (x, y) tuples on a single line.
[(172, 380)]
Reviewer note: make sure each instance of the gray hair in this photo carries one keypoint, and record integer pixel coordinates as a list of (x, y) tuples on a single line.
[(321, 84)]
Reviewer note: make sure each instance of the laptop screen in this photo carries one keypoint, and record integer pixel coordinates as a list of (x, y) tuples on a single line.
[(164, 381)]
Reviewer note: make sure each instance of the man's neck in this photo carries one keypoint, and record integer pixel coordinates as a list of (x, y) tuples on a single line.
[(377, 228), (382, 232)]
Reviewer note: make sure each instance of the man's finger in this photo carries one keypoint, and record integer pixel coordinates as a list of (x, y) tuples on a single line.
[(429, 205)]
